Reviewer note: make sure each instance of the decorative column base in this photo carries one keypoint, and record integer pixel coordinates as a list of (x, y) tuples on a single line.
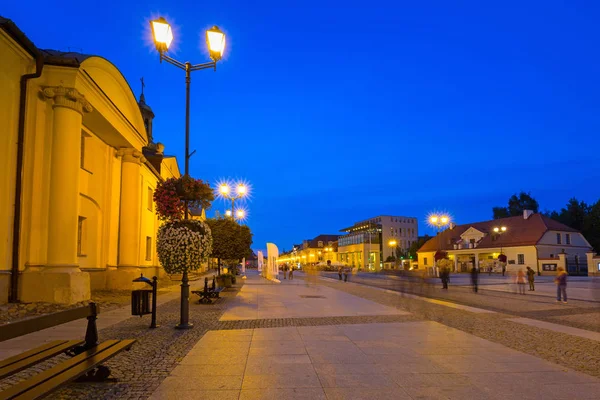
[(121, 278), (63, 285)]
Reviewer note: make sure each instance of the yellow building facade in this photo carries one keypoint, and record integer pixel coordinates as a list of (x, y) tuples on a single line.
[(75, 187)]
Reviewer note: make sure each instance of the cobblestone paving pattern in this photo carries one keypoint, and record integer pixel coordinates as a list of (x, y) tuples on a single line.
[(283, 322), (580, 354), (156, 352)]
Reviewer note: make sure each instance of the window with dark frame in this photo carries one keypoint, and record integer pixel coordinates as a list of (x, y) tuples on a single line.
[(148, 248), (568, 238), (150, 198), (558, 238), (520, 259), (81, 225)]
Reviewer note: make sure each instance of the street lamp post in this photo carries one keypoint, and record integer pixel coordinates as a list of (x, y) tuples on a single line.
[(215, 39), (393, 243), (439, 221), (499, 231), (226, 192)]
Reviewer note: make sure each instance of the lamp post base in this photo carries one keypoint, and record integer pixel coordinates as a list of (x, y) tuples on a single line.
[(185, 304)]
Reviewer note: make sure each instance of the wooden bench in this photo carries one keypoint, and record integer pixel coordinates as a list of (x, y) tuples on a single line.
[(86, 355), (208, 293)]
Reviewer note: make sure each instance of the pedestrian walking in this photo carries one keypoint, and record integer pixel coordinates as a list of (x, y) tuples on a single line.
[(340, 272), (445, 277), (285, 269), (474, 279), (291, 272), (531, 279), (561, 285), (520, 280), (503, 269), (346, 271)]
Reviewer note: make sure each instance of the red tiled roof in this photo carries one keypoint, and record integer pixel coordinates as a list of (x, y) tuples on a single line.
[(520, 232)]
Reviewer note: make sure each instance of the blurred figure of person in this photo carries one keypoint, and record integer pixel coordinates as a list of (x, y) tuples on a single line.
[(490, 270), (346, 272), (474, 279), (503, 269), (445, 276), (521, 281), (561, 285), (285, 269), (291, 272), (340, 269), (531, 279)]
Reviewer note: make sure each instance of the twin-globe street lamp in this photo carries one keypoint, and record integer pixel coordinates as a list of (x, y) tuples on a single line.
[(241, 191), (215, 39), (439, 221), (239, 214), (499, 231)]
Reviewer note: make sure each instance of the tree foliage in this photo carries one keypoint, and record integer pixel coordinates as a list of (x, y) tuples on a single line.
[(416, 245), (583, 217), (231, 241), (516, 205)]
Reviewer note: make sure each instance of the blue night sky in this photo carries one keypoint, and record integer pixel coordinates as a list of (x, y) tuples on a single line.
[(337, 111)]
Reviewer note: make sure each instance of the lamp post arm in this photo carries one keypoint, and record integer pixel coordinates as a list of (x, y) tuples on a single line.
[(172, 61), (208, 65)]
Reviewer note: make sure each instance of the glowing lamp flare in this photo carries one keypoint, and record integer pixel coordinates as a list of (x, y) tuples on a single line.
[(215, 39), (162, 34), (224, 189)]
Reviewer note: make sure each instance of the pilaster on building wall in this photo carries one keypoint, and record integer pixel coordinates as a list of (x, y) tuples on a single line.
[(61, 280)]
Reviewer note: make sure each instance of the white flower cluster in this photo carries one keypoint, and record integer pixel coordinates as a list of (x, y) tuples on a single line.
[(183, 245)]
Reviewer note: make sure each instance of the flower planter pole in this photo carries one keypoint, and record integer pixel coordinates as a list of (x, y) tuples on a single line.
[(183, 243)]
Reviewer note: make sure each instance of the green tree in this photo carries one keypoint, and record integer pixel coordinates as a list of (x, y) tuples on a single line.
[(231, 241), (416, 245), (516, 205), (573, 215), (583, 217)]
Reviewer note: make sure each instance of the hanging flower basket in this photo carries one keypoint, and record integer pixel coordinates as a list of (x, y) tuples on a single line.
[(183, 245), (502, 258), (171, 196)]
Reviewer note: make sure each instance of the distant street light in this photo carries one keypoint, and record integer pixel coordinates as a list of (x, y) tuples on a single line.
[(439, 221), (215, 39), (499, 231), (241, 190)]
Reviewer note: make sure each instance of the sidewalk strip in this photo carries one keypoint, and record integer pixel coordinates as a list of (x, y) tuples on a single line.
[(433, 301), (558, 328)]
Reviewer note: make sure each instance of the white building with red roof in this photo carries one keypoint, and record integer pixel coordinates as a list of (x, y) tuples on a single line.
[(531, 240)]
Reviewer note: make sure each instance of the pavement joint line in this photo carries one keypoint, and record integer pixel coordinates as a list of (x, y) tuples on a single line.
[(557, 328), (426, 299)]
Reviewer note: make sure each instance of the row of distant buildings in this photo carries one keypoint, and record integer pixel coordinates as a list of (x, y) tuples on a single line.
[(366, 244), (532, 240)]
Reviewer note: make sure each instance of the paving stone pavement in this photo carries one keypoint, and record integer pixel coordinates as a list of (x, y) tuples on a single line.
[(573, 352), (160, 352)]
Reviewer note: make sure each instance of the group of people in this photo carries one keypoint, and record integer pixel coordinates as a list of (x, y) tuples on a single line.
[(288, 271), (345, 271), (520, 279)]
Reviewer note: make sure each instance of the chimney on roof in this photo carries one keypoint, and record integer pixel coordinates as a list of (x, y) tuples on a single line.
[(527, 214)]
